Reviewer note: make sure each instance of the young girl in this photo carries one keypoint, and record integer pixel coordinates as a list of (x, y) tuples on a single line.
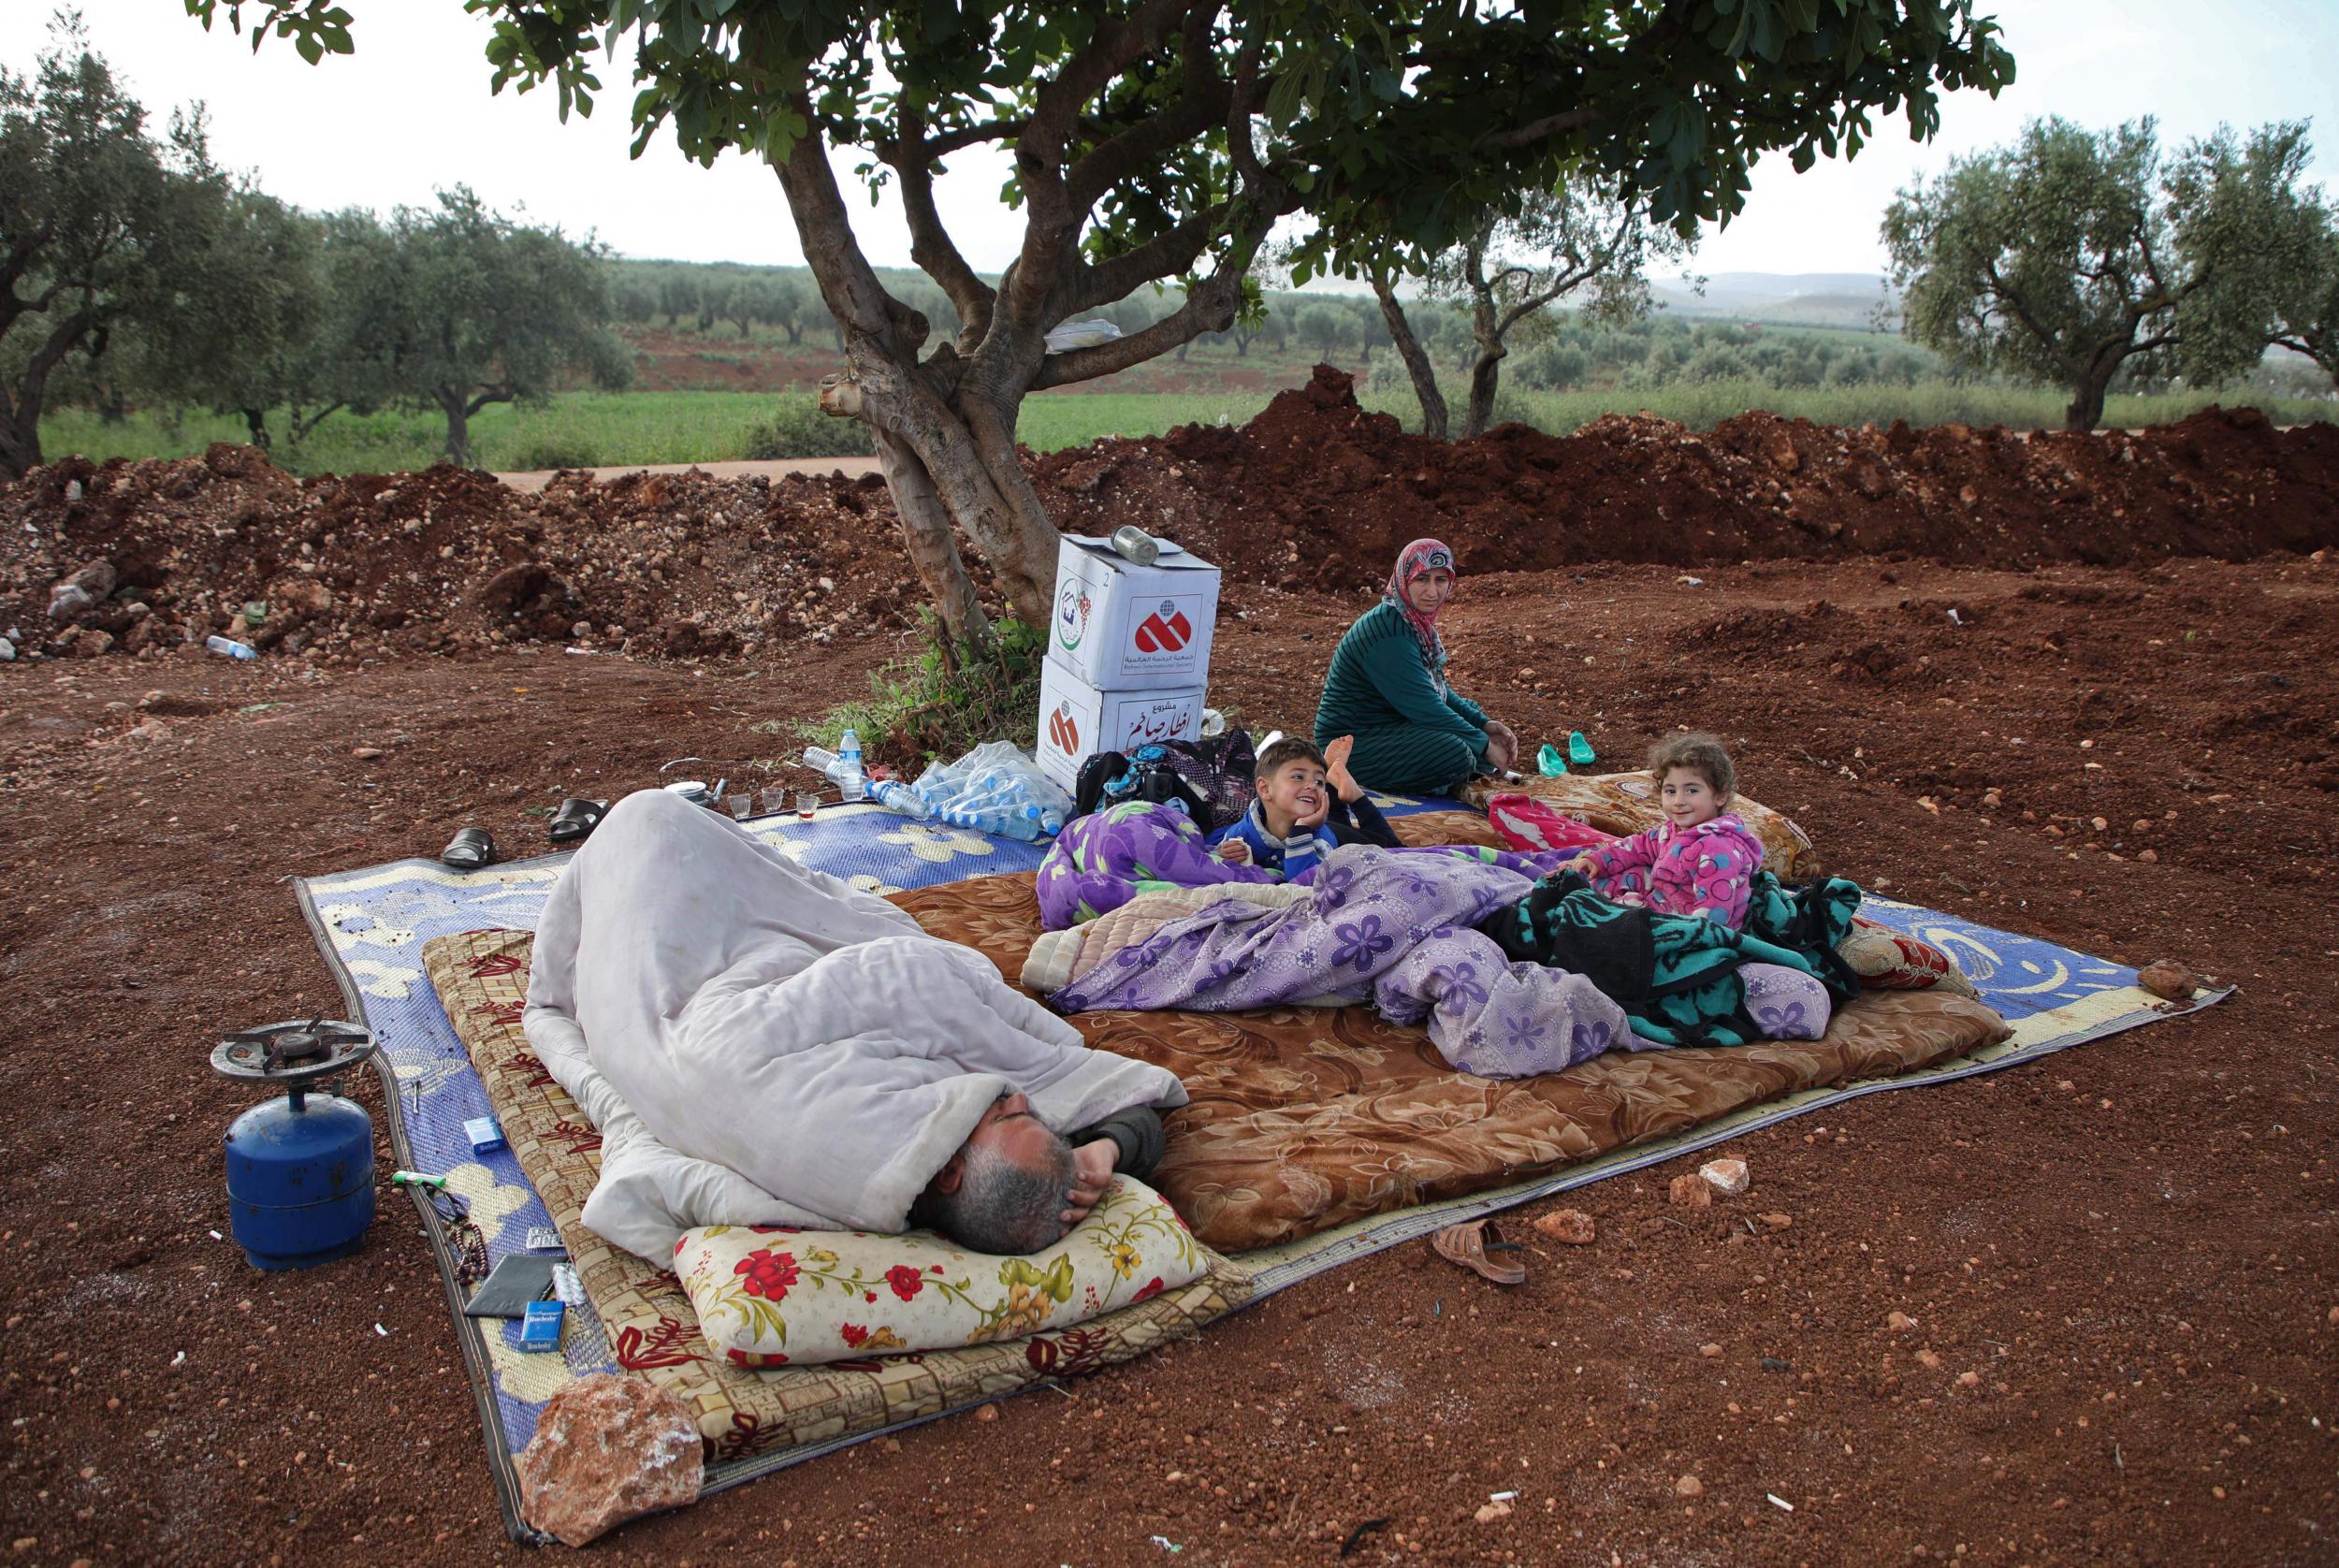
[(1700, 860)]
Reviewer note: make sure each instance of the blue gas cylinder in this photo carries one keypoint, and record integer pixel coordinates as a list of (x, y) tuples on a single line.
[(301, 1180), (299, 1168)]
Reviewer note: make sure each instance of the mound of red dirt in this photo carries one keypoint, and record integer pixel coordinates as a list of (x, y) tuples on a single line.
[(1315, 494), (443, 560), (1318, 490)]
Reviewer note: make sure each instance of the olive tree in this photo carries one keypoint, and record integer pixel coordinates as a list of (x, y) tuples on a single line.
[(1588, 238), (249, 335), (1156, 141), (100, 221), (2306, 313), (2073, 257), (1324, 328), (456, 308)]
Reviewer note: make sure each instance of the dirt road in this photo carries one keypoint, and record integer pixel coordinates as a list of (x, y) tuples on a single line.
[(2120, 1263), (852, 467)]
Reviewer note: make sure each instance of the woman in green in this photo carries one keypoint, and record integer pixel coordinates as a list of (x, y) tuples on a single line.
[(1387, 686)]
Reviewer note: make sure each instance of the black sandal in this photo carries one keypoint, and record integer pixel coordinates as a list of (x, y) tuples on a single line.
[(469, 850), (576, 820)]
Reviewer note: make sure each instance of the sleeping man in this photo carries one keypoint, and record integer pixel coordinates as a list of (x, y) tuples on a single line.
[(762, 1044)]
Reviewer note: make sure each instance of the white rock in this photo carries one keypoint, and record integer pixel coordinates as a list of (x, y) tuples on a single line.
[(1729, 1177)]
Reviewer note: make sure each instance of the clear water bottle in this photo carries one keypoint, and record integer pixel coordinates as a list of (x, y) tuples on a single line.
[(231, 648), (822, 759), (848, 758), (894, 795)]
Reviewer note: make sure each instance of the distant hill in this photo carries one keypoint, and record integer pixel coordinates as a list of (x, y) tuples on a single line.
[(1792, 299)]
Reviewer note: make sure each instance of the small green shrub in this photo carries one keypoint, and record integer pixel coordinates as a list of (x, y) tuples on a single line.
[(554, 451), (930, 707), (797, 429)]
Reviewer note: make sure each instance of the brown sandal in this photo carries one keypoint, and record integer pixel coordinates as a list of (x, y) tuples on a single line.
[(1469, 1244)]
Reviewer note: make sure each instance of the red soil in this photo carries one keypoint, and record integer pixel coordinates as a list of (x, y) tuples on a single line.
[(2119, 1263)]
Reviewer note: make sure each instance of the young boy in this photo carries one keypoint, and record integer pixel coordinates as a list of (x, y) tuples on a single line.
[(1308, 806)]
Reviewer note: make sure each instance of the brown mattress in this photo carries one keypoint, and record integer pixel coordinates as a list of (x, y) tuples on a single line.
[(1306, 1118), (481, 978)]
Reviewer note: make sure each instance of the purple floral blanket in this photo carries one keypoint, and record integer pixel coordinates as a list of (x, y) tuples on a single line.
[(1388, 927), (1101, 861)]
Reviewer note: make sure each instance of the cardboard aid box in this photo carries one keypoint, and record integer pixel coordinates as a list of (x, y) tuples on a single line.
[(1076, 721), (1120, 627)]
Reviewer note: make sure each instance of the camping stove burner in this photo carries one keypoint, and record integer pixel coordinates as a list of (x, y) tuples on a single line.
[(293, 1052)]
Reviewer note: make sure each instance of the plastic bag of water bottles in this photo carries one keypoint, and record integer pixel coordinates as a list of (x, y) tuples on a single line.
[(996, 789)]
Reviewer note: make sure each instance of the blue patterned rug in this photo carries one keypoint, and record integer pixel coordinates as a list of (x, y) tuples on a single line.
[(370, 927)]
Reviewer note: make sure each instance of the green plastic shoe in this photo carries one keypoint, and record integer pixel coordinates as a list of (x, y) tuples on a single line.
[(1579, 750), (1548, 763)]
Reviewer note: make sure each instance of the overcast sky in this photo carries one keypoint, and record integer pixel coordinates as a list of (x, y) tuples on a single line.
[(411, 112)]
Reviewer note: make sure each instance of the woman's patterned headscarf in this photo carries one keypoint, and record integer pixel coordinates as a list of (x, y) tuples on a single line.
[(1422, 555)]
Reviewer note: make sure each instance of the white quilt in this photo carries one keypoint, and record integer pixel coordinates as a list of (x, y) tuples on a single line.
[(762, 1044)]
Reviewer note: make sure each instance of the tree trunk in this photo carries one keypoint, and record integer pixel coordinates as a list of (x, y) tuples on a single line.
[(932, 548), (2085, 411), (795, 333), (19, 442), (457, 429), (1418, 364), (256, 421), (1485, 371)]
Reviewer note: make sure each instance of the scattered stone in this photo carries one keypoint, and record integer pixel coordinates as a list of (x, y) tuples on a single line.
[(366, 753), (1969, 1379), (1930, 1361), (608, 1449), (1571, 1225), (987, 1412), (2166, 976), (1899, 1322), (82, 590), (1775, 1222), (8, 651), (1689, 1486), (1728, 1177), (1709, 1350), (1489, 1512), (2149, 857), (1692, 1191)]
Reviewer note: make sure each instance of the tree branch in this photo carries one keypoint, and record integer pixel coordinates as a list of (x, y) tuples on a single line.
[(1165, 256), (1535, 130), (930, 243), (1210, 307), (943, 143), (849, 285), (1201, 104), (1054, 219), (2003, 290)]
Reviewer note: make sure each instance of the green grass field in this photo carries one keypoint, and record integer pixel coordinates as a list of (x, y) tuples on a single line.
[(588, 429)]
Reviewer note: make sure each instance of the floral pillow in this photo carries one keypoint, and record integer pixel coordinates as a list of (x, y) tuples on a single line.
[(771, 1296), (1887, 961)]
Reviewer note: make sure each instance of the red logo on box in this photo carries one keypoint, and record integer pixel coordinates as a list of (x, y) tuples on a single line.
[(1166, 631), (1061, 730)]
